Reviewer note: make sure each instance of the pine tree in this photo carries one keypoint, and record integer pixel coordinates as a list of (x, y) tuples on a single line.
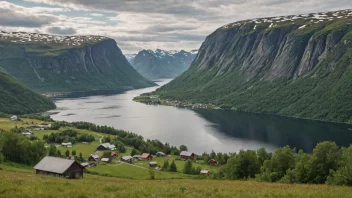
[(73, 152), (166, 165), (173, 167), (67, 153), (52, 150), (80, 157), (58, 153), (187, 169)]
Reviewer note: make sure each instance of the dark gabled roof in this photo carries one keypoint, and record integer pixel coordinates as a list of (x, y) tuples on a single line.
[(54, 164), (186, 153)]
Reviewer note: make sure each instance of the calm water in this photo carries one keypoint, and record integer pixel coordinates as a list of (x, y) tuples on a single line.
[(201, 130)]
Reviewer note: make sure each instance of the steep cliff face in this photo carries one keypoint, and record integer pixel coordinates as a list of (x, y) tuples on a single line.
[(161, 63), (298, 66), (68, 64), (15, 98)]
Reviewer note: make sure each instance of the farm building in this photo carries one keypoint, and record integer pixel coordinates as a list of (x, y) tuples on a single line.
[(14, 118), (205, 172), (85, 164), (105, 159), (153, 164), (160, 154), (212, 162), (187, 155), (137, 157), (93, 158), (113, 154), (147, 156), (128, 159), (68, 144), (59, 167), (106, 146)]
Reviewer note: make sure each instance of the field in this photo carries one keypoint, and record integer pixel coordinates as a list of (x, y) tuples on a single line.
[(117, 179), (16, 183)]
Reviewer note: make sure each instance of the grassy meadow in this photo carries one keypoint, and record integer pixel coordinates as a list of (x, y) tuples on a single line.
[(27, 184)]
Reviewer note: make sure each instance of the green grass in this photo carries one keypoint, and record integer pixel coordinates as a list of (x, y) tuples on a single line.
[(25, 184)]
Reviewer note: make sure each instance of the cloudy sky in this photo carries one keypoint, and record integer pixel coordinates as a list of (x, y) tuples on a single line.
[(147, 24)]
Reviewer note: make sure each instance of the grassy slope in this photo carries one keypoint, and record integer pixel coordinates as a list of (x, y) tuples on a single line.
[(113, 169), (20, 184), (16, 98), (305, 97)]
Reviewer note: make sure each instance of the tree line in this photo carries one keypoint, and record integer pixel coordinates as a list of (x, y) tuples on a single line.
[(68, 136), (328, 164)]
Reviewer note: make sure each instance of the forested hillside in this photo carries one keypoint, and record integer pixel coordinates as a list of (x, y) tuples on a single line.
[(298, 66), (16, 98)]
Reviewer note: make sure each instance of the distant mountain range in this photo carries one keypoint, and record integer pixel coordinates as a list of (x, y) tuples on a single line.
[(52, 63), (161, 63), (298, 65)]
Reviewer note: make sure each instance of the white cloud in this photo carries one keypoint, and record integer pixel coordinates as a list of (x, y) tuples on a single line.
[(169, 24)]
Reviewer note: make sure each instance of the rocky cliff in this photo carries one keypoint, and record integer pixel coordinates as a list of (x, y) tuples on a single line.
[(298, 66), (48, 63), (161, 63)]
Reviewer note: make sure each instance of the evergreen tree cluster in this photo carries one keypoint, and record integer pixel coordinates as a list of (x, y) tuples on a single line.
[(68, 136)]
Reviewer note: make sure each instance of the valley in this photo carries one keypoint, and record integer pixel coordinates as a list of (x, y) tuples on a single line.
[(107, 99)]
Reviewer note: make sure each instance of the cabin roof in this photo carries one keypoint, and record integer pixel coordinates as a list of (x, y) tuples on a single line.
[(54, 164), (186, 153), (127, 157)]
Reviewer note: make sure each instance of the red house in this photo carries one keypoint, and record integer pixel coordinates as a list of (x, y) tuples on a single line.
[(187, 155), (113, 154), (147, 156), (213, 162)]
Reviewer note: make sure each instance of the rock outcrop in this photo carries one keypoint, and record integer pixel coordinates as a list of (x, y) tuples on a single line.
[(297, 66)]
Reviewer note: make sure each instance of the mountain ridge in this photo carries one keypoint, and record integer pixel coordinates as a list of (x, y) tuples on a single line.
[(52, 63), (299, 66)]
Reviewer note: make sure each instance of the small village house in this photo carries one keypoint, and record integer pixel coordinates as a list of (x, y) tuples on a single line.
[(160, 154), (187, 155), (113, 154), (85, 164), (14, 118), (93, 158), (213, 162), (68, 144), (128, 159), (106, 146), (59, 167), (137, 157), (105, 159), (153, 164), (205, 172), (147, 156)]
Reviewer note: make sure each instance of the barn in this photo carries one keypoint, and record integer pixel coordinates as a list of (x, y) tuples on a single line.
[(59, 167), (147, 156), (187, 155)]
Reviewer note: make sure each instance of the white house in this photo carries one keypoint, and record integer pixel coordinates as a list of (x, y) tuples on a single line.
[(68, 144), (14, 118)]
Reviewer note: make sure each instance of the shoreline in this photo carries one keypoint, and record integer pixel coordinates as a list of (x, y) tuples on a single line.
[(189, 105)]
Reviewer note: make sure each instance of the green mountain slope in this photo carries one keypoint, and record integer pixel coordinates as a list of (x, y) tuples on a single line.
[(49, 63), (298, 66), (15, 98)]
